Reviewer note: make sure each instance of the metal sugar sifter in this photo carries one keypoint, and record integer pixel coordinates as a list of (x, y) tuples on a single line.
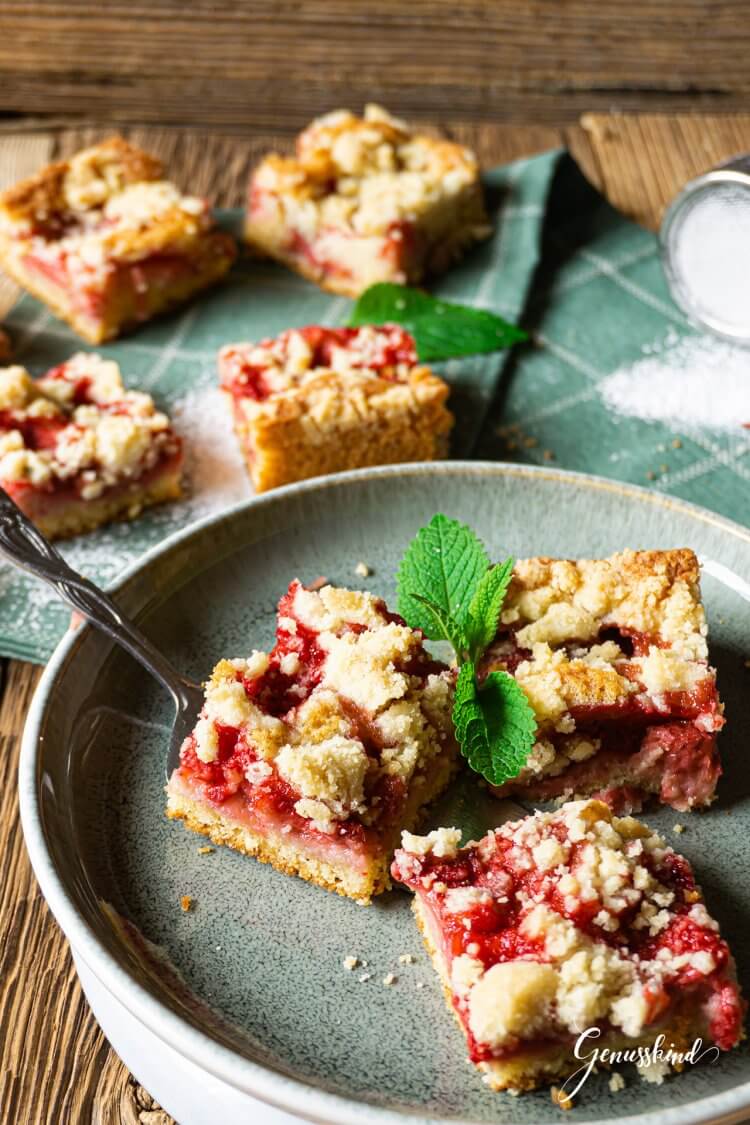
[(705, 248)]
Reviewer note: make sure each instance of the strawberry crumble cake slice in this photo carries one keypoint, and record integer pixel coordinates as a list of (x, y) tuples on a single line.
[(106, 242), (315, 756), (612, 655), (567, 921), (365, 200), (319, 400), (78, 450)]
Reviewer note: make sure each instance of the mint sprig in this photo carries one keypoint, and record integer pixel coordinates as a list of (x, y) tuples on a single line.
[(441, 329), (448, 589)]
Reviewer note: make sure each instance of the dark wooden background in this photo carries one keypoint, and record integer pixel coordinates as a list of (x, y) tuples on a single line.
[(271, 65)]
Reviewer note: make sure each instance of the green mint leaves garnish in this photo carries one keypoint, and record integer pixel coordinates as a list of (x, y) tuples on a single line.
[(442, 567), (448, 589), (495, 725), (441, 330)]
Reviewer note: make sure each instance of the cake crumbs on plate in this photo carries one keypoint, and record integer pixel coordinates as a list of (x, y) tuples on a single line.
[(350, 962), (364, 978), (206, 850), (420, 984), (186, 902), (389, 979), (678, 828), (363, 570), (406, 959), (560, 1098), (616, 1082)]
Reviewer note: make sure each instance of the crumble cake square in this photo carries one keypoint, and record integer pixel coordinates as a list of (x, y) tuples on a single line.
[(314, 756), (566, 921), (78, 450), (319, 400), (364, 200), (106, 242), (612, 655)]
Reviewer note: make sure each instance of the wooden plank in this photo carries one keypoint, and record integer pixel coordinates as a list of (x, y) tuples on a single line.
[(272, 65), (678, 147)]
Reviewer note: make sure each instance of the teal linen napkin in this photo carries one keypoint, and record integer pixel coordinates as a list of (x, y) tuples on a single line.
[(585, 281)]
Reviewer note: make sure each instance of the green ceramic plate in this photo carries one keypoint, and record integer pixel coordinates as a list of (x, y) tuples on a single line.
[(259, 995)]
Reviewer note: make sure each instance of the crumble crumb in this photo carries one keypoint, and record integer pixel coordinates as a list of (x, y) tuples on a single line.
[(363, 570), (205, 850), (560, 1098), (678, 828), (676, 443), (651, 475), (548, 455), (350, 963), (186, 902), (364, 977), (420, 984), (406, 959), (389, 979), (616, 1083), (530, 442)]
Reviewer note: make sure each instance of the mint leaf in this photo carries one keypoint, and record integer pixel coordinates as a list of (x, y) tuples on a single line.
[(443, 565), (442, 625), (495, 724), (484, 610), (440, 329)]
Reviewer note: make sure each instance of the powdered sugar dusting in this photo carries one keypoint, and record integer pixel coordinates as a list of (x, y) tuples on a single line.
[(214, 467), (692, 382)]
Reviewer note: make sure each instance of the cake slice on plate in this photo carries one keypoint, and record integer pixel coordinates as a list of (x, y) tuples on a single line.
[(78, 450), (106, 242), (315, 756), (565, 922), (612, 655), (319, 400), (365, 200)]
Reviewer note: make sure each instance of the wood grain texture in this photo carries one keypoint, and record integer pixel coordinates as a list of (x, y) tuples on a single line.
[(272, 64), (679, 147), (56, 1068)]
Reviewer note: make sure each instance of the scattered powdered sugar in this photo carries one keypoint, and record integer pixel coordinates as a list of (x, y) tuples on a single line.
[(215, 470), (692, 382)]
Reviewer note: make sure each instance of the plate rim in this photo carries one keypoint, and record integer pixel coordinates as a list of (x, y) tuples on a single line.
[(283, 1091)]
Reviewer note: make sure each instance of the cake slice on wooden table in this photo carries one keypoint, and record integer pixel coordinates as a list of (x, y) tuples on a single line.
[(78, 450), (106, 242), (315, 756), (319, 400), (366, 199), (612, 655), (564, 922)]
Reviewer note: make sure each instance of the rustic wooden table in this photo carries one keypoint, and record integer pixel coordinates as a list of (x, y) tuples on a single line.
[(55, 1065)]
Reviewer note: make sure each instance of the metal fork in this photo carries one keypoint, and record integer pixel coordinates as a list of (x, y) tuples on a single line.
[(25, 546)]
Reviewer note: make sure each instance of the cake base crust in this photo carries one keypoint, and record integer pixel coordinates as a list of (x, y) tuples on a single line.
[(117, 320), (286, 855), (80, 517)]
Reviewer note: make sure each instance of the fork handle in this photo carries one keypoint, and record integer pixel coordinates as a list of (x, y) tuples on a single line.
[(25, 546)]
